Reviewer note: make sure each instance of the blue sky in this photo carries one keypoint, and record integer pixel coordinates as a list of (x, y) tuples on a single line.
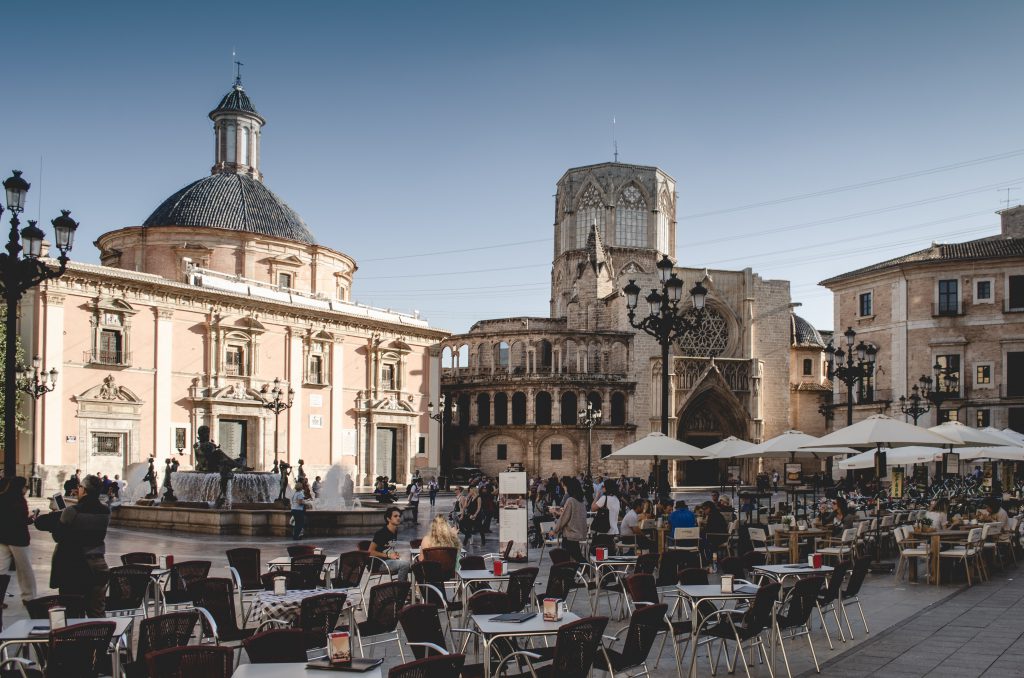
[(402, 129)]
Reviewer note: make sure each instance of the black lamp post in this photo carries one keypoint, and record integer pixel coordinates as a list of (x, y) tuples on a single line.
[(589, 418), (844, 367), (917, 403), (667, 323), (36, 386), (21, 270), (947, 385), (280, 400), (440, 414)]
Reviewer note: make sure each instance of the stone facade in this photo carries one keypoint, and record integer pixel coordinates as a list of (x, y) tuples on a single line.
[(959, 304)]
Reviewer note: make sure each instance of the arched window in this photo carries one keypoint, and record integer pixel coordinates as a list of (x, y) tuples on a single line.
[(243, 156), (518, 408), (544, 356), (594, 398), (501, 354), (618, 409), (542, 409), (447, 359), (231, 143), (500, 409), (464, 411), (631, 218), (589, 210), (462, 358), (483, 409), (569, 408)]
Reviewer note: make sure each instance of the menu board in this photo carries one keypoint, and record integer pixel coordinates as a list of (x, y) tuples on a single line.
[(513, 514)]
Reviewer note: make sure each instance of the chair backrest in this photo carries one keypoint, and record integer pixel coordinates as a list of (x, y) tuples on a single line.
[(835, 582), (520, 587), (644, 626), (421, 623), (276, 646), (489, 602), (209, 661), (415, 543), (351, 566), (292, 580), (318, 616), (472, 563), (162, 631), (757, 537), (246, 561), (385, 601), (887, 521), (138, 558), (857, 577), (849, 535), (576, 647), (445, 556), (128, 586), (363, 545), (38, 608), (217, 596), (732, 565), (79, 650), (186, 574), (759, 614), (862, 528), (557, 555), (974, 536), (310, 570), (800, 602), (686, 533), (646, 563), (642, 589), (602, 540), (301, 550), (693, 576), (673, 560), (752, 559), (561, 581), (430, 667), (429, 572)]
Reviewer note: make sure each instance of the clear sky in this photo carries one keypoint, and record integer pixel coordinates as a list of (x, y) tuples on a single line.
[(402, 129)]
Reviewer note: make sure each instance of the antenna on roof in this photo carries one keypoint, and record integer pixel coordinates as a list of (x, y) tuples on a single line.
[(1008, 189), (615, 143)]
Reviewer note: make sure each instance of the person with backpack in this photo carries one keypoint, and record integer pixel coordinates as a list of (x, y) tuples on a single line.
[(607, 506), (432, 490)]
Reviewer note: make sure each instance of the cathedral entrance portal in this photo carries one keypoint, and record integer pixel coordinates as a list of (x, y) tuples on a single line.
[(709, 417)]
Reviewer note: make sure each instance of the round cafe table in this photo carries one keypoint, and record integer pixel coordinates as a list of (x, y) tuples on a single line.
[(286, 607)]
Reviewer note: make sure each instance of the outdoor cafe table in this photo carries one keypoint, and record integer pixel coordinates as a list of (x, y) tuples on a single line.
[(286, 607), (492, 630), (20, 633), (780, 573), (467, 577), (296, 670), (935, 537), (285, 563), (695, 594), (794, 539)]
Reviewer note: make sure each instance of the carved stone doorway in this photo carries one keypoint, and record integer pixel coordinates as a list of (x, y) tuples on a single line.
[(709, 417)]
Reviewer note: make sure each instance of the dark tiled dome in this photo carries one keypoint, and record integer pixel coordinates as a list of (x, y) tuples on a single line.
[(236, 100), (234, 202), (804, 334)]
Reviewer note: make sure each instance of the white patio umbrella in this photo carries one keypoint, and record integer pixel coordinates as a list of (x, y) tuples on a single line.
[(658, 446), (898, 457), (879, 431), (793, 442), (966, 436), (1011, 453), (727, 448), (1013, 435)]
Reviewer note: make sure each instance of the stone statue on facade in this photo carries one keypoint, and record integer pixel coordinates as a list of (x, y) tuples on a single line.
[(150, 477)]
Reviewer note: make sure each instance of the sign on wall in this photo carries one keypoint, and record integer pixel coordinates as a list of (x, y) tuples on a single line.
[(316, 421)]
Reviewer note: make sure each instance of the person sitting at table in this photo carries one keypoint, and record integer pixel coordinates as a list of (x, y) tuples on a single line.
[(440, 535), (842, 519), (629, 528), (938, 514), (682, 517), (384, 544), (540, 515), (716, 530), (996, 510), (572, 522)]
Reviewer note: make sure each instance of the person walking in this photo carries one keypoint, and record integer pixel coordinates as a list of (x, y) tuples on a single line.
[(299, 504), (470, 515), (414, 499), (14, 537), (432, 490), (385, 542), (572, 523), (79, 566)]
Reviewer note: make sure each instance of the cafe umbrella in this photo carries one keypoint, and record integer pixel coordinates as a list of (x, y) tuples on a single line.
[(658, 446)]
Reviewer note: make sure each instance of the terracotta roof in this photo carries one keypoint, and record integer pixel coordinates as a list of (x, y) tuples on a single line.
[(992, 247)]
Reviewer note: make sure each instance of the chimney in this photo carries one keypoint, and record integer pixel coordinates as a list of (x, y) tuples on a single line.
[(1012, 221)]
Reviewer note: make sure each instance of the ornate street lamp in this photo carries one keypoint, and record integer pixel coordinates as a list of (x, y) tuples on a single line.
[(843, 366), (917, 403), (947, 385), (37, 385), (21, 269), (280, 400), (667, 322), (589, 418), (440, 414)]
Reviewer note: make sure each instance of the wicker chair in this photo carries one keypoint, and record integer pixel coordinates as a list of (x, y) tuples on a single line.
[(383, 604), (139, 558), (422, 627), (644, 626), (128, 590), (310, 570), (851, 594), (215, 600), (246, 562), (559, 555), (38, 608), (520, 588), (292, 580), (208, 661), (576, 648), (296, 550), (80, 650), (160, 632), (184, 577), (276, 646), (430, 667), (351, 566)]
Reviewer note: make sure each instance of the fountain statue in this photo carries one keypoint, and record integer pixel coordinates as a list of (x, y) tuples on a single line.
[(171, 467), (284, 467), (151, 478), (210, 458), (301, 477)]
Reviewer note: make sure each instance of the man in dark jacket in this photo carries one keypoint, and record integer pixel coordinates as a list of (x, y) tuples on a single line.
[(14, 538), (78, 565)]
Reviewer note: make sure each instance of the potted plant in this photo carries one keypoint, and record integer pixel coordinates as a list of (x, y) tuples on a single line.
[(787, 521), (926, 524)]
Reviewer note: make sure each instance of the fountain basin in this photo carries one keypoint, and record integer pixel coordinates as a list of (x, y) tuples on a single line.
[(258, 521)]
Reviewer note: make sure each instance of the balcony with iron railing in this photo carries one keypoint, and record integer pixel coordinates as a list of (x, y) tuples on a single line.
[(102, 357), (473, 375)]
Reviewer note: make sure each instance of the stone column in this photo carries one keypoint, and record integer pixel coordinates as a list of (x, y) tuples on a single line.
[(51, 406), (337, 394), (295, 413), (163, 356)]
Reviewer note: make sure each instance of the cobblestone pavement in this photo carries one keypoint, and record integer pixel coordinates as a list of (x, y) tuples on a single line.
[(895, 609)]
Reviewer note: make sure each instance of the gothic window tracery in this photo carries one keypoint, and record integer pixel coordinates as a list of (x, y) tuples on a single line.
[(590, 210), (631, 218), (709, 338)]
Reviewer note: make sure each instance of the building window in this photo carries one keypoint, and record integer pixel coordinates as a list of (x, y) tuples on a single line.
[(316, 370), (949, 299), (983, 375), (631, 218), (568, 408), (1014, 374), (234, 361), (111, 331), (556, 451), (950, 366), (618, 409), (808, 367), (500, 409), (1015, 293), (864, 306), (542, 409), (483, 409), (316, 348), (284, 280), (502, 451), (110, 348), (866, 389), (589, 211), (948, 415), (107, 445), (605, 450), (422, 445), (387, 377), (983, 291), (982, 418), (518, 408)]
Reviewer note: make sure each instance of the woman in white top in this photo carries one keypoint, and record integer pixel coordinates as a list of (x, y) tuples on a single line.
[(937, 514), (609, 498)]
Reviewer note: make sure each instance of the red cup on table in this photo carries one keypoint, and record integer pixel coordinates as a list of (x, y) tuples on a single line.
[(168, 561), (498, 567), (818, 560), (601, 553)]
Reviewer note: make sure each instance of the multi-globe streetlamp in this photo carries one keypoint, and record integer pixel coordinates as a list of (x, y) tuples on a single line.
[(440, 414), (854, 366), (279, 401), (588, 418), (917, 403), (37, 385), (21, 269), (947, 384), (667, 322)]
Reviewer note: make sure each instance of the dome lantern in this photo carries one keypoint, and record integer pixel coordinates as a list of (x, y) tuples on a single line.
[(237, 128)]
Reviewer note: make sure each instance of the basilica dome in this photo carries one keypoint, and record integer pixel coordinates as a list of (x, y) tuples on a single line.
[(234, 202)]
